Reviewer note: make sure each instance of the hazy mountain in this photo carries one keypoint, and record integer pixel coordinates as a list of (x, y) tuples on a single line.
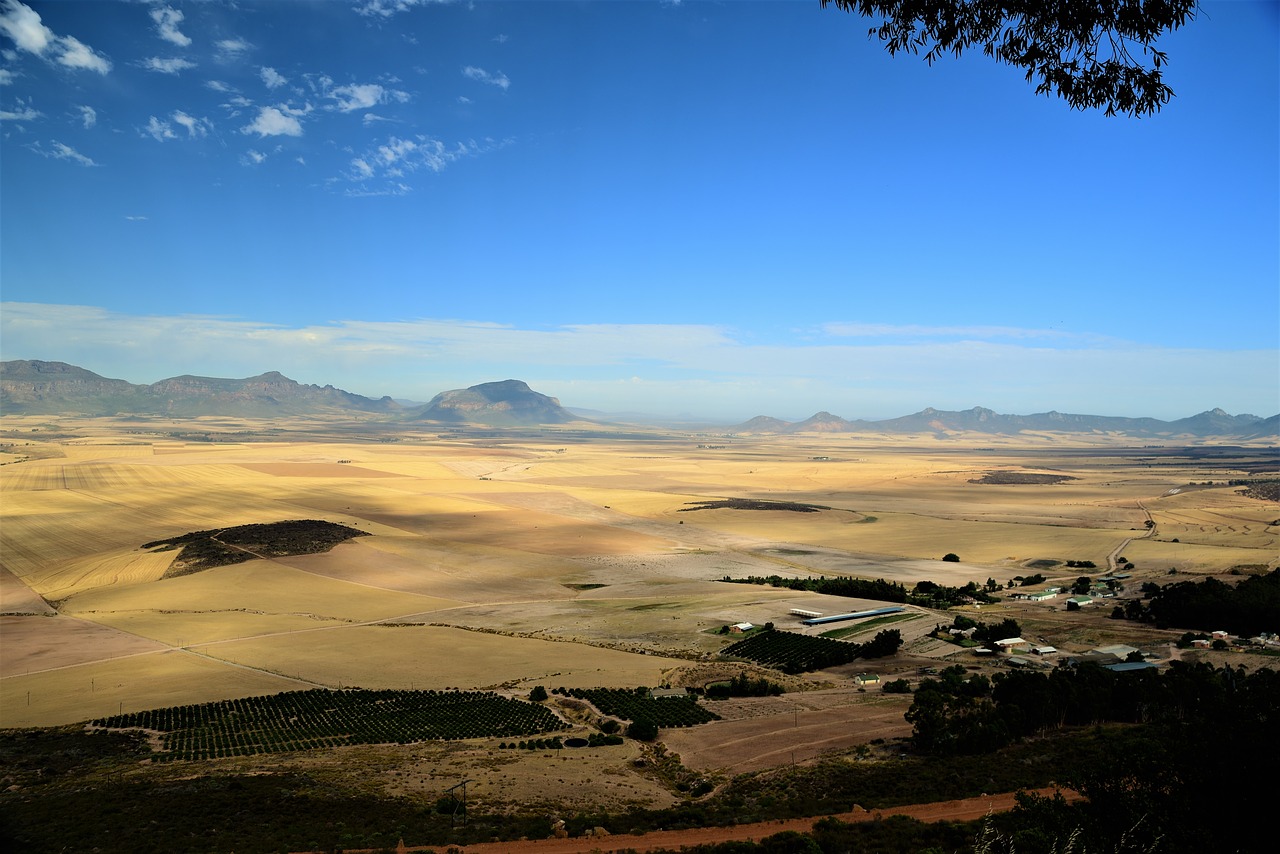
[(32, 387), (44, 388), (1214, 423), (498, 404)]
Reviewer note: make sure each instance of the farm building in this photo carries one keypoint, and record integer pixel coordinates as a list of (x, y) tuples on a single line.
[(807, 614), (659, 693), (1041, 596), (856, 615), (1080, 601), (1010, 644), (867, 679), (1127, 666), (1119, 650), (739, 628), (1044, 650)]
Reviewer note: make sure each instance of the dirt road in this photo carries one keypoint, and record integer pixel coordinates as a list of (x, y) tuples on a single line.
[(966, 809)]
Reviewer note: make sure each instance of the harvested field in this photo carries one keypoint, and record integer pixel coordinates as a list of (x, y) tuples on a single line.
[(571, 560), (765, 732)]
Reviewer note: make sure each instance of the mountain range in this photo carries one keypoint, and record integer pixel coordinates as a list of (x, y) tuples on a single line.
[(31, 387)]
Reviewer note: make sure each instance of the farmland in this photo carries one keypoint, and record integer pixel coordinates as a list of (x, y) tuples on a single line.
[(493, 564)]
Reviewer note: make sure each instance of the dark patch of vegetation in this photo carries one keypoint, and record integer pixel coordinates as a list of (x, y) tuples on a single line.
[(793, 653), (753, 504), (743, 685), (1081, 564), (1021, 477), (303, 720), (1267, 489), (203, 550), (951, 557), (931, 595), (854, 588), (635, 705), (1247, 608)]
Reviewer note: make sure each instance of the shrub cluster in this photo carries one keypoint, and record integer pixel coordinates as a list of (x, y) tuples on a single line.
[(635, 705)]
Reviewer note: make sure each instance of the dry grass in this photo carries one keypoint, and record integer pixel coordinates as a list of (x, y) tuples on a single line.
[(581, 543)]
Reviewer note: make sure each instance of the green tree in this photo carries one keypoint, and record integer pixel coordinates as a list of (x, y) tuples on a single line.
[(1092, 53), (538, 694), (951, 557)]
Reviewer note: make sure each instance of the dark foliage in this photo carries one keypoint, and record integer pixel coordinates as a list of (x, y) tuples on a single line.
[(854, 588), (1092, 54), (743, 686), (753, 504), (635, 704), (1250, 607), (225, 546), (793, 653), (886, 642), (302, 720)]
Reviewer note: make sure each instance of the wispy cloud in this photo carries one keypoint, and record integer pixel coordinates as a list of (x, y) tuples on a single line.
[(387, 8), (159, 130), (219, 86), (167, 65), (659, 368), (61, 151), (167, 20), (6, 77), (22, 112), (195, 127), (273, 121), (231, 49), (253, 158), (135, 218), (915, 332), (24, 26), (479, 74), (271, 78), (88, 116)]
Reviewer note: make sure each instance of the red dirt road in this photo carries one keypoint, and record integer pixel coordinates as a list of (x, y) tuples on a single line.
[(966, 809)]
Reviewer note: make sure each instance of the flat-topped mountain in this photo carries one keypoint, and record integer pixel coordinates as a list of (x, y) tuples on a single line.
[(32, 387), (500, 404)]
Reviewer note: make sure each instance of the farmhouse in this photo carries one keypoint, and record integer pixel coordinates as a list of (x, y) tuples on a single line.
[(739, 628), (1042, 596), (867, 679), (1010, 644), (1080, 601), (1044, 650)]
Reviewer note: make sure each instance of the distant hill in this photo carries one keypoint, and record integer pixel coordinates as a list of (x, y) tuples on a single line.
[(507, 403), (1212, 424), (49, 388)]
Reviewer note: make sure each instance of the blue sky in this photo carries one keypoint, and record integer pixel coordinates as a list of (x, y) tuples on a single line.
[(714, 209)]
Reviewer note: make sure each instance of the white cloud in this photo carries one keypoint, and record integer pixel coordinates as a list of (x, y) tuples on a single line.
[(22, 112), (88, 116), (60, 151), (229, 49), (272, 122), (6, 77), (501, 38), (23, 25), (159, 130), (195, 127), (272, 78), (253, 158), (387, 8), (374, 118), (135, 218), (362, 96), (219, 86), (167, 20), (500, 80), (169, 65)]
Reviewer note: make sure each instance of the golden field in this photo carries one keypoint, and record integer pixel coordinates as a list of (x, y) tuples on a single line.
[(504, 563)]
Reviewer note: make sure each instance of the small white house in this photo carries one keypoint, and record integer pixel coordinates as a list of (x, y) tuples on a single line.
[(1010, 644), (739, 628), (1044, 650)]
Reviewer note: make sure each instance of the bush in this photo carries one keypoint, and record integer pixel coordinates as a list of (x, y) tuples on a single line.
[(538, 694), (642, 731), (951, 557)]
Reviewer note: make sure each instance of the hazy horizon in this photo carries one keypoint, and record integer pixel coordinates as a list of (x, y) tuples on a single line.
[(724, 210)]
